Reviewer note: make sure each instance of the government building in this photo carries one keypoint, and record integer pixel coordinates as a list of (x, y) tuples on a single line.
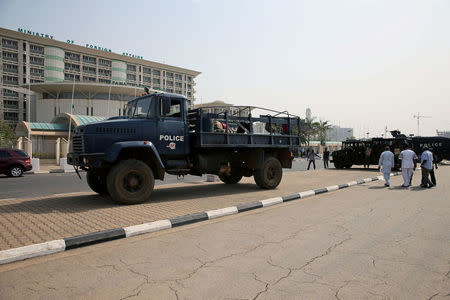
[(99, 81)]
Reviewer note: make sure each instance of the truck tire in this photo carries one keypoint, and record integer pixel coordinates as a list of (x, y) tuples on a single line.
[(269, 177), (338, 165), (234, 178), (97, 182), (130, 182)]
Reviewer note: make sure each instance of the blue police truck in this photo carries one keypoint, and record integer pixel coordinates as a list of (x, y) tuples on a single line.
[(158, 134)]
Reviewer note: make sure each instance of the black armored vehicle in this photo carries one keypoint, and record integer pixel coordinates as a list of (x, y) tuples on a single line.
[(367, 151)]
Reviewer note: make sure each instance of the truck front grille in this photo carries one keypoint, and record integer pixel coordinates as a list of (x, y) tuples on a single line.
[(77, 144)]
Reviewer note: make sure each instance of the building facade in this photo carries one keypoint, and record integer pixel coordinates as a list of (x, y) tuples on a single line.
[(29, 59)]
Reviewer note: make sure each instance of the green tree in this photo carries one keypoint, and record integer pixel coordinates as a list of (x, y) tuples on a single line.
[(7, 136), (308, 129), (321, 128)]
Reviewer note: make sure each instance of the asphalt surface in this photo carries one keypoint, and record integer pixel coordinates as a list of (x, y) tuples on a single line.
[(34, 185), (363, 242)]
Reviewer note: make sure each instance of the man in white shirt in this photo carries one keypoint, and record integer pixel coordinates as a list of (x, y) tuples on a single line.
[(409, 159), (426, 163), (385, 164)]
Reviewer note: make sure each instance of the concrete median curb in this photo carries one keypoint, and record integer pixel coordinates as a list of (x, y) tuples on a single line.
[(21, 253)]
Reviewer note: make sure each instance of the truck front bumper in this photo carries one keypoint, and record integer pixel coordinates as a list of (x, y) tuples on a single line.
[(84, 160)]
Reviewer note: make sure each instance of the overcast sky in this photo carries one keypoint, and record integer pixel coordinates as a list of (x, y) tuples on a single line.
[(364, 64)]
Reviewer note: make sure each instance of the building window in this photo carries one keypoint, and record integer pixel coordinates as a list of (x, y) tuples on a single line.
[(13, 80), (36, 72), (9, 93), (103, 72), (147, 79), (178, 85), (9, 56), (36, 81), (71, 67), (92, 111), (131, 68), (131, 77), (146, 70), (10, 68), (156, 72), (9, 44), (101, 80), (36, 61), (36, 49), (71, 77), (89, 59), (104, 62), (72, 56), (91, 79), (89, 70), (169, 75), (169, 83)]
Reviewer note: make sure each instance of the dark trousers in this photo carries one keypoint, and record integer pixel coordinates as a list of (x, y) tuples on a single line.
[(425, 178), (325, 163), (433, 178), (313, 162)]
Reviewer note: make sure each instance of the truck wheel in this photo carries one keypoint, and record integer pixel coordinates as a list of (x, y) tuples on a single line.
[(338, 165), (234, 178), (97, 182), (269, 177), (130, 182)]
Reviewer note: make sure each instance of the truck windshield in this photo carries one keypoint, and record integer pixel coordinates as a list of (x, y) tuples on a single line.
[(138, 108)]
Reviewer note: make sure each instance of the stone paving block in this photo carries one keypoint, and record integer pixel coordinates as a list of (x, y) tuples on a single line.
[(36, 220)]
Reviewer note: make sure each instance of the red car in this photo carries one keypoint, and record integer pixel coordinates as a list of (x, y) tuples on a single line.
[(13, 162)]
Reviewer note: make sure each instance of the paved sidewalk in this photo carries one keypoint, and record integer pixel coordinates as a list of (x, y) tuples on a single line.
[(35, 220)]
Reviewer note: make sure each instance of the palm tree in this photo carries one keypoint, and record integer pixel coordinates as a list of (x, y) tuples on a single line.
[(308, 129), (322, 127)]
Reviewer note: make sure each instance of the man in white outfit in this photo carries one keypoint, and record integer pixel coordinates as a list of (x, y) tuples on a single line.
[(385, 164), (409, 160)]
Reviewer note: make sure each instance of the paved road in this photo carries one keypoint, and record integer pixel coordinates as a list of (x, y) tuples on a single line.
[(34, 185), (365, 242)]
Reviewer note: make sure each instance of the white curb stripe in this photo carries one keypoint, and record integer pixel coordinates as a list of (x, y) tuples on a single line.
[(217, 213), (30, 251), (367, 179), (351, 183), (332, 188), (271, 201), (381, 177), (147, 227), (307, 194)]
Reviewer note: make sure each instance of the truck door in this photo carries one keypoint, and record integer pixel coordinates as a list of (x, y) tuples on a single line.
[(173, 131)]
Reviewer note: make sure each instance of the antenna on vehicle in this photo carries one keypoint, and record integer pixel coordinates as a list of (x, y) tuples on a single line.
[(418, 116)]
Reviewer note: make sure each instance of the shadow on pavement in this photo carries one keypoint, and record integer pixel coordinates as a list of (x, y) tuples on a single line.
[(75, 204)]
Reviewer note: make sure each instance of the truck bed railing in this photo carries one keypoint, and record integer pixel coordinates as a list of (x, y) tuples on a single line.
[(222, 126)]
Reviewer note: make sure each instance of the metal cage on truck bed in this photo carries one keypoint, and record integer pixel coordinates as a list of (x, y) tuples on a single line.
[(234, 126)]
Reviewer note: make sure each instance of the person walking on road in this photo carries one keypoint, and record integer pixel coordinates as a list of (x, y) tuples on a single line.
[(409, 160), (326, 157), (385, 164), (433, 177), (367, 154), (311, 158), (426, 163)]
